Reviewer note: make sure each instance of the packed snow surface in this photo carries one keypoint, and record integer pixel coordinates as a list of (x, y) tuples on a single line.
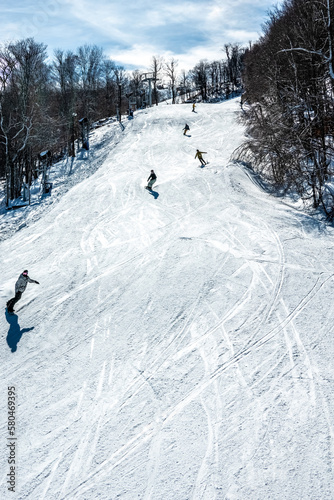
[(180, 343)]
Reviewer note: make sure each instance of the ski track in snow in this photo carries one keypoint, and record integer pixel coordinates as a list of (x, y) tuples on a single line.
[(182, 342)]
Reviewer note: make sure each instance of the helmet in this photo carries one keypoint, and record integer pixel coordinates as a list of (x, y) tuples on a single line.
[(25, 272)]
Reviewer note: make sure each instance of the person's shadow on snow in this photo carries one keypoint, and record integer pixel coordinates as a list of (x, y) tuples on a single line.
[(155, 194), (14, 333)]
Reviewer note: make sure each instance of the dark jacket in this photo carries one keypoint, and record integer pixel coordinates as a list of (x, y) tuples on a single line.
[(152, 176)]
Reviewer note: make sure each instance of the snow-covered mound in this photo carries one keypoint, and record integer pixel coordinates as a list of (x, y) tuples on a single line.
[(63, 175), (180, 343)]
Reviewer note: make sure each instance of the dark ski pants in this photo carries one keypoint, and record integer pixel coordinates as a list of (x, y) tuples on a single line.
[(11, 303), (150, 184)]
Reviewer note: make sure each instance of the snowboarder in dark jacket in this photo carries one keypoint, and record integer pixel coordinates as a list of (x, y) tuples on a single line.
[(151, 180), (186, 128), (20, 287)]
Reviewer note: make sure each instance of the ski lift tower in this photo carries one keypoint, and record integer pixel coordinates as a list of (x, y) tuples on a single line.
[(149, 77)]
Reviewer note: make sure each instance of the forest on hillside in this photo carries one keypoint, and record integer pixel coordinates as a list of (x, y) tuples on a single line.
[(47, 108), (288, 105)]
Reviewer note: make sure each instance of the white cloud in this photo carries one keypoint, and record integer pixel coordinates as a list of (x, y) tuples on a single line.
[(241, 36), (139, 56)]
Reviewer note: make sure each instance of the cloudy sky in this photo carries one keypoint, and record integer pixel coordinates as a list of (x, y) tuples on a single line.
[(132, 31)]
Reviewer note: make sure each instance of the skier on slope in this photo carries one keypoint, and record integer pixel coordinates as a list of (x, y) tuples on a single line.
[(200, 157), (151, 180), (20, 287), (186, 128)]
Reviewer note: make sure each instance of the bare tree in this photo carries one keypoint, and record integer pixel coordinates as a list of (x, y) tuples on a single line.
[(234, 53), (23, 81), (170, 69), (200, 78), (110, 87), (65, 73), (135, 85), (156, 68), (89, 61), (121, 83), (185, 84)]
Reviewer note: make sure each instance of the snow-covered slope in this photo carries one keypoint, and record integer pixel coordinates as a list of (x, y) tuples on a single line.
[(180, 343), (64, 175)]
